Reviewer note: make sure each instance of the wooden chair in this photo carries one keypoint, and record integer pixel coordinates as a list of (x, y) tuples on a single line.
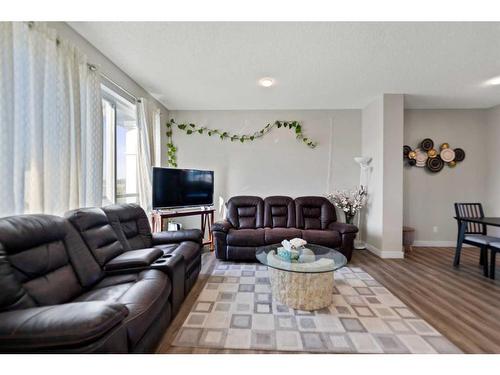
[(495, 248), (475, 234)]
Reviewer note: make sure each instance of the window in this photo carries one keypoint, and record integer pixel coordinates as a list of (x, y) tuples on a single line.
[(120, 149)]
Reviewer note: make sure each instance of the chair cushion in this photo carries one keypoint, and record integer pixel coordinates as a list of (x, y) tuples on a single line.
[(246, 237), (134, 258), (34, 262), (130, 224), (276, 235), (314, 212), (322, 237), (144, 294), (279, 212), (94, 227), (481, 239), (245, 212)]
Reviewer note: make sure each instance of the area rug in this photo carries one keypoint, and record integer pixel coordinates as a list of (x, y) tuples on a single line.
[(235, 310)]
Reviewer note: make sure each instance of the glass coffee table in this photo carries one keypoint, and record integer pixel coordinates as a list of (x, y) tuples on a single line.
[(306, 284)]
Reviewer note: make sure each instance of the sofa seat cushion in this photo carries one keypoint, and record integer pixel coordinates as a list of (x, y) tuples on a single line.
[(327, 238), (65, 325), (144, 294), (189, 250), (133, 259), (276, 235), (246, 237)]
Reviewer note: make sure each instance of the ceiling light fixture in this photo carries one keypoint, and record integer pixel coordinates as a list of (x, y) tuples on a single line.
[(493, 81), (266, 82)]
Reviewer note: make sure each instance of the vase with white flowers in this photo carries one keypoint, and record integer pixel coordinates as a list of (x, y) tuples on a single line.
[(349, 201)]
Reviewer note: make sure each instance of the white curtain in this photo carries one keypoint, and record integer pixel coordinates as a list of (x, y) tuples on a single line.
[(50, 123), (148, 123)]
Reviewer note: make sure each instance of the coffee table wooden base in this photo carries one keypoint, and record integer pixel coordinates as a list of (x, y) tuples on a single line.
[(302, 291)]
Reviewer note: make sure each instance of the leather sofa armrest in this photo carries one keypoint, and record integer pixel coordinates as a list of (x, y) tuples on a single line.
[(343, 228), (348, 234), (220, 229), (177, 236), (221, 226), (174, 265), (47, 327), (133, 259)]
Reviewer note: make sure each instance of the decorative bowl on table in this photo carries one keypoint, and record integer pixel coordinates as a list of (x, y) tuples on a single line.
[(288, 255), (307, 256)]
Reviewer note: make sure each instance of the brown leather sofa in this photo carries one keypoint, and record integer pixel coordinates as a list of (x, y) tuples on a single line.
[(64, 290), (120, 238), (252, 222), (134, 232)]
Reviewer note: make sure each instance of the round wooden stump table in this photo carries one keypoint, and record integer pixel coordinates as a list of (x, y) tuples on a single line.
[(306, 284)]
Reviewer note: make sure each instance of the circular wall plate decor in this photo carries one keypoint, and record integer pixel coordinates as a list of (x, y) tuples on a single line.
[(432, 156), (459, 154), (406, 150), (447, 155), (432, 153), (421, 157), (435, 164), (427, 144)]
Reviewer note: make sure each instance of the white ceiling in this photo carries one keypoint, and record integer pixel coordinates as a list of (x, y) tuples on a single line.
[(215, 65)]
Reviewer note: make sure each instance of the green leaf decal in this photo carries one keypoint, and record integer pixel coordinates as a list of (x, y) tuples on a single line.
[(190, 128)]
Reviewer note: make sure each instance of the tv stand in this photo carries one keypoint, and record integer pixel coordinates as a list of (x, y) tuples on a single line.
[(207, 219)]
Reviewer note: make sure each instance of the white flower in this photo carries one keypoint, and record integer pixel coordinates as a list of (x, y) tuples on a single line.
[(287, 245), (349, 201), (297, 242)]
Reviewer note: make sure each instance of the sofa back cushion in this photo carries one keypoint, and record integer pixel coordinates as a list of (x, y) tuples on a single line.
[(96, 232), (245, 212), (35, 267), (131, 225), (279, 212), (314, 212)]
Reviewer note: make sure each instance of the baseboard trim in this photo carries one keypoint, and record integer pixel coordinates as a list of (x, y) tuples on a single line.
[(385, 254), (437, 244)]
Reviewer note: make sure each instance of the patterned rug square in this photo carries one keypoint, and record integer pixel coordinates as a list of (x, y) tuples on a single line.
[(235, 310)]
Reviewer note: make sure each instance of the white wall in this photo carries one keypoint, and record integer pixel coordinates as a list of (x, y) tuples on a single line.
[(393, 175), (382, 133), (110, 69), (372, 141), (429, 197), (277, 164), (492, 206)]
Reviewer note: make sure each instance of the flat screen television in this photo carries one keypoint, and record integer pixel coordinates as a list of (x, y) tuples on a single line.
[(182, 187)]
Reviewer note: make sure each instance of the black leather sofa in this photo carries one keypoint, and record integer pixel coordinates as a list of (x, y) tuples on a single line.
[(252, 222), (70, 285)]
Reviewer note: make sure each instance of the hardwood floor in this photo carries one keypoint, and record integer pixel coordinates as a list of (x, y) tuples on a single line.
[(459, 302)]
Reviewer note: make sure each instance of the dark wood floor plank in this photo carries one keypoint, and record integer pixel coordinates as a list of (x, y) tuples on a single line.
[(459, 302)]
